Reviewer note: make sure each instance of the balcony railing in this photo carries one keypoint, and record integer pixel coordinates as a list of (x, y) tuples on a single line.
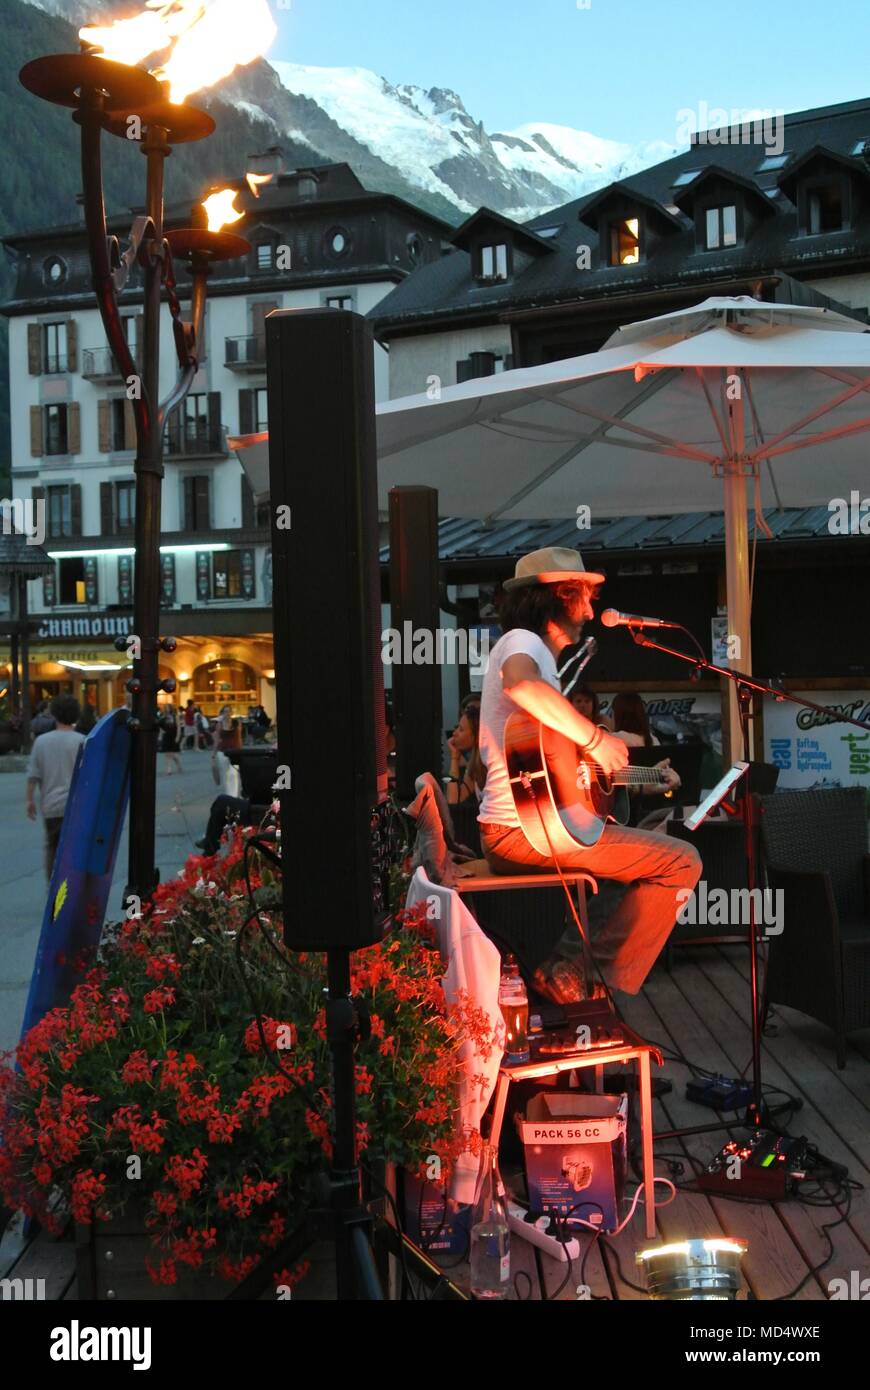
[(247, 353), (98, 364), (193, 442)]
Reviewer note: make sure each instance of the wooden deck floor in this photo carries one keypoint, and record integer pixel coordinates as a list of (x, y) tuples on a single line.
[(698, 1011)]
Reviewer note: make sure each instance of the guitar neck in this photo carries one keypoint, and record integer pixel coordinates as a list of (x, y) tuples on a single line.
[(634, 776)]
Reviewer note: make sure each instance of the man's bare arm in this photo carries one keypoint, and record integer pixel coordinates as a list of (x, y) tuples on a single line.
[(522, 681)]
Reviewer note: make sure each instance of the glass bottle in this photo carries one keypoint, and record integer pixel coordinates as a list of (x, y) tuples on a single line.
[(490, 1233)]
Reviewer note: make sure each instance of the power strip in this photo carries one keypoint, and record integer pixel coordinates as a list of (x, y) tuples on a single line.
[(536, 1233)]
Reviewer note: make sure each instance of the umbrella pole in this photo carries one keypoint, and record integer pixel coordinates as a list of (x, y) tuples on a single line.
[(736, 562)]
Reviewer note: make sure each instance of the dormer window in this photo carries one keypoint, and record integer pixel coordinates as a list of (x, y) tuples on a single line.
[(265, 255), (625, 241), (825, 207), (721, 227), (494, 262), (54, 271), (307, 187)]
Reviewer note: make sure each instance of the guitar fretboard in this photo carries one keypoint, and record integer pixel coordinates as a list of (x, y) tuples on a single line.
[(630, 776)]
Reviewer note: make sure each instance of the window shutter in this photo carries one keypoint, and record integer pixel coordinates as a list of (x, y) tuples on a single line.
[(201, 504), (104, 439), (48, 586), (167, 580), (248, 517), (246, 411), (92, 588), (37, 448), (72, 345), (173, 433), (140, 340), (248, 579), (129, 425), (258, 321), (215, 437), (75, 508), (482, 364), (187, 486), (74, 428), (463, 370), (34, 349), (107, 520)]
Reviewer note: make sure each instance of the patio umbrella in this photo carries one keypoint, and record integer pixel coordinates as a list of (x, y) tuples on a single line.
[(687, 411)]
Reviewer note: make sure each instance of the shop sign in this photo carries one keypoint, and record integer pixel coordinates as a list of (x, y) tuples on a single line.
[(85, 627), (809, 750)]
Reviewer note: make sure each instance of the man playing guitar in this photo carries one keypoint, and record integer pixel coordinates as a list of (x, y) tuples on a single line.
[(546, 605)]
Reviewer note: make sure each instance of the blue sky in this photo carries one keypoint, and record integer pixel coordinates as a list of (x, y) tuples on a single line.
[(621, 68)]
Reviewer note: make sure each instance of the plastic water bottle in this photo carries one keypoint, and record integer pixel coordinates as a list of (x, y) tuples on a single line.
[(490, 1235), (514, 1003)]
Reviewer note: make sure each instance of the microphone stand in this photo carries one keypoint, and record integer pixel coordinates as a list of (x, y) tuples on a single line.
[(747, 686)]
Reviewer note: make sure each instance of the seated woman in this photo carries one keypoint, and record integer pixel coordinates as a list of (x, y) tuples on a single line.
[(467, 773), (631, 724), (586, 701)]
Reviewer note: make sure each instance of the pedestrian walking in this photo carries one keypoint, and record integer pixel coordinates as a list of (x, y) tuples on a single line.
[(189, 719), (42, 721), (169, 738), (51, 766)]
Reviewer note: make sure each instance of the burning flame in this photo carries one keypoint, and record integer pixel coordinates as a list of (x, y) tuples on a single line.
[(221, 210), (255, 180), (208, 39)]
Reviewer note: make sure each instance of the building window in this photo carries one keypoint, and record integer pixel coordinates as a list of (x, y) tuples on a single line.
[(414, 244), (494, 262), (125, 507), (482, 364), (625, 241), (307, 187), (117, 423), (59, 512), (196, 420), (56, 429), (686, 177), (197, 503), (54, 271), (54, 355), (339, 301), (773, 161), (72, 586), (233, 574), (338, 241), (265, 255), (130, 323), (825, 208), (721, 227), (260, 406)]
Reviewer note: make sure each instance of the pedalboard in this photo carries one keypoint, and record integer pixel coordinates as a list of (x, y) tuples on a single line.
[(766, 1165)]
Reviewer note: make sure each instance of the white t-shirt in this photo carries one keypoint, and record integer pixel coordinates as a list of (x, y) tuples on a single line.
[(497, 806), (52, 761)]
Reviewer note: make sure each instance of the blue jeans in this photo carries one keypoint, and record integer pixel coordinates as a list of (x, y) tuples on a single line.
[(656, 866)]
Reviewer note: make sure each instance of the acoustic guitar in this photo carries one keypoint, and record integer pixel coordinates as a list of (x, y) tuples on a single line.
[(552, 779)]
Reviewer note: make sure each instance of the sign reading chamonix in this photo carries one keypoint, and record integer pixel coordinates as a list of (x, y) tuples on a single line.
[(85, 627)]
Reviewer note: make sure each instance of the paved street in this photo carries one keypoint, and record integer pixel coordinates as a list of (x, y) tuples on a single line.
[(182, 808)]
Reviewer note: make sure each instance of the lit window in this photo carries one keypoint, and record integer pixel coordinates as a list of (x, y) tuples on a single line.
[(625, 241), (494, 262), (721, 227)]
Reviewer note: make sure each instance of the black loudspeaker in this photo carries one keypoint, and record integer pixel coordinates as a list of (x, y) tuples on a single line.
[(327, 624), (415, 607)]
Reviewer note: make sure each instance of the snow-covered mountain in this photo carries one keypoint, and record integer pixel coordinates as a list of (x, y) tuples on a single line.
[(425, 138)]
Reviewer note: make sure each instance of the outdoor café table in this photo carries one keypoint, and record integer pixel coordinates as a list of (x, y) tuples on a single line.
[(633, 1049)]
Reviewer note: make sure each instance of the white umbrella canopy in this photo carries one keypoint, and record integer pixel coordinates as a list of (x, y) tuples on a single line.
[(645, 425)]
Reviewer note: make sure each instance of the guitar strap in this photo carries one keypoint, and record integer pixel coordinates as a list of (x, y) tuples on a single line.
[(589, 965)]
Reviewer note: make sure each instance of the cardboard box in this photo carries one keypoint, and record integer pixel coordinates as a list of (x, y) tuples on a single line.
[(434, 1224), (575, 1148)]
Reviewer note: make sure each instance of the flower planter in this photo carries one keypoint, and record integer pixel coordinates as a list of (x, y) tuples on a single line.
[(110, 1264)]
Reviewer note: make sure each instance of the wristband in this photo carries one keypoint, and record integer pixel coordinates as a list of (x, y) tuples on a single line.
[(593, 744)]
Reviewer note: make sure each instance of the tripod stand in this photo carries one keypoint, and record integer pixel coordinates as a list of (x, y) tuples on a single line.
[(747, 686)]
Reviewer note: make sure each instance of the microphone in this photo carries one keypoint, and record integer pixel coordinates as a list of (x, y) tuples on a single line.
[(612, 618), (584, 656)]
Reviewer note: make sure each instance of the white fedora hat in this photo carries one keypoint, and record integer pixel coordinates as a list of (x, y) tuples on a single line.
[(553, 565)]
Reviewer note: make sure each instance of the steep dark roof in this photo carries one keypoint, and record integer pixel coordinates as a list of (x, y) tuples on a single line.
[(686, 197), (519, 234), (590, 211), (446, 289)]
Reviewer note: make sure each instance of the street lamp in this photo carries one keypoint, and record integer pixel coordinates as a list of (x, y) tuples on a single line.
[(132, 104)]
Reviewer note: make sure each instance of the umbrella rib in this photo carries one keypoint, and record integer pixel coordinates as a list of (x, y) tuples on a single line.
[(610, 421), (710, 402), (759, 430), (841, 432), (656, 383), (771, 448)]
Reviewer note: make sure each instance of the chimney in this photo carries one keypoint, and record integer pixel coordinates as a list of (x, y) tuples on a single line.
[(270, 161)]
